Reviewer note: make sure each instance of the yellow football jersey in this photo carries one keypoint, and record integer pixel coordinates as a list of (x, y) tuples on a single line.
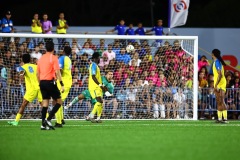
[(94, 70), (30, 76), (65, 64), (218, 66)]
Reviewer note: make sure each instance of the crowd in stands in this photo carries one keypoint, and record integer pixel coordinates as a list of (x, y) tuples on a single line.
[(155, 80)]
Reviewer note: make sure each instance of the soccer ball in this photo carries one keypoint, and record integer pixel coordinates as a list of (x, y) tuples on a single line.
[(129, 48)]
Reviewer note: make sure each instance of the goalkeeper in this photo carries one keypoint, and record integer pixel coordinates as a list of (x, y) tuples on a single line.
[(107, 82)]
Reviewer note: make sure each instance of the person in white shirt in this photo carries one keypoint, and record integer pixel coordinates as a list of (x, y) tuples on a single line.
[(109, 52), (36, 54), (136, 58), (86, 49), (180, 101), (131, 97)]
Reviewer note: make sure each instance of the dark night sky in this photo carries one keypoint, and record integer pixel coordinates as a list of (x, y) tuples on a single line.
[(202, 13)]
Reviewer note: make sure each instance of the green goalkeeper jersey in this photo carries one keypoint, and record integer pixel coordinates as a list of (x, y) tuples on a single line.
[(108, 84)]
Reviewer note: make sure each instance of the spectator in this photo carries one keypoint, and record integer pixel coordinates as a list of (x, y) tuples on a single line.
[(120, 29), (123, 57), (158, 32), (131, 98), (140, 30), (101, 49), (91, 45), (146, 99), (86, 49), (204, 71), (203, 63), (153, 77), (41, 47), (168, 100), (36, 26), (149, 55), (141, 52), (104, 61), (136, 59), (7, 59), (181, 106), (36, 54), (75, 49), (75, 42), (102, 43), (46, 27), (109, 53), (62, 27), (130, 31), (7, 23)]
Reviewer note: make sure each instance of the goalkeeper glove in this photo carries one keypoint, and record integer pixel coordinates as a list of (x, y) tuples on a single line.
[(108, 94)]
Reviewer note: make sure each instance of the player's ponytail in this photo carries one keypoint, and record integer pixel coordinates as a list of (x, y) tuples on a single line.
[(217, 54)]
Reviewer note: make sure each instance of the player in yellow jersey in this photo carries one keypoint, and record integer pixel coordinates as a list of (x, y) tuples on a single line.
[(219, 85), (96, 88), (29, 71), (65, 65)]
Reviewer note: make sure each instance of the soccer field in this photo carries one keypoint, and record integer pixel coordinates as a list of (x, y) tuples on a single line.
[(188, 140)]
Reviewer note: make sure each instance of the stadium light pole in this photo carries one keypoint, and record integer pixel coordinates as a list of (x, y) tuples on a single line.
[(151, 11)]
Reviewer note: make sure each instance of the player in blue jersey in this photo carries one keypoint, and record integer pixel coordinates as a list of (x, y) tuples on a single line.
[(140, 30), (120, 30), (130, 31), (158, 31)]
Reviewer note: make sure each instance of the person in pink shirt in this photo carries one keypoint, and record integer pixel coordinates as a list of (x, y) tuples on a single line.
[(153, 76), (162, 81), (153, 66), (104, 61), (203, 63), (109, 52), (46, 25)]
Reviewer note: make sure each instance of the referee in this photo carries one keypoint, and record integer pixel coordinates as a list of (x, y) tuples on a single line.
[(47, 69)]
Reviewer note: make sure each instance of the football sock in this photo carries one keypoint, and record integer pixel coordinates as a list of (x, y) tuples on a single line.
[(18, 117), (74, 101), (99, 111), (58, 116), (44, 111), (54, 110), (94, 109), (224, 114), (61, 116), (47, 115), (219, 113)]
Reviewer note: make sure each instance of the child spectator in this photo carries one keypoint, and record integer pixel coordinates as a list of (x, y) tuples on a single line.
[(203, 63)]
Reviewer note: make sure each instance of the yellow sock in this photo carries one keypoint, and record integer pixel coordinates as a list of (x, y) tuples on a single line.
[(47, 115), (224, 114), (58, 116), (62, 115), (94, 109), (99, 111), (18, 117), (219, 113)]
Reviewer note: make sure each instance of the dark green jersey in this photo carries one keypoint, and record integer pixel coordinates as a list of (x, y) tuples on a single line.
[(108, 84)]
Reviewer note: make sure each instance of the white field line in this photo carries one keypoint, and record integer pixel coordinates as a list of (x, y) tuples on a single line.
[(144, 124)]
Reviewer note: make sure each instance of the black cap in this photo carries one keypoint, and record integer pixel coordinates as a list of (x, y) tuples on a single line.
[(8, 13)]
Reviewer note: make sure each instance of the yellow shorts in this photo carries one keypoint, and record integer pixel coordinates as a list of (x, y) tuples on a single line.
[(64, 95), (96, 93), (30, 95)]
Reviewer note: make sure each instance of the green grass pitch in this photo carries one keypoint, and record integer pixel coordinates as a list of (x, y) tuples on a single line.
[(121, 140)]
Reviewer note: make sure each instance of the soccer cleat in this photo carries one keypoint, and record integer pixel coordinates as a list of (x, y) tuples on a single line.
[(49, 124), (57, 125), (99, 121), (13, 123), (87, 118), (218, 121), (63, 122), (92, 120), (44, 128), (225, 121)]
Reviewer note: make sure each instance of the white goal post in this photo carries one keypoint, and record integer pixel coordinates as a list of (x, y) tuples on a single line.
[(155, 104)]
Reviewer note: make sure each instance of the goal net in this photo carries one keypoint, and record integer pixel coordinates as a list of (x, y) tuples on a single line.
[(157, 80)]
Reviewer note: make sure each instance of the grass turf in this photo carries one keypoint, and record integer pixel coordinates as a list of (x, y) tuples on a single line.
[(136, 140)]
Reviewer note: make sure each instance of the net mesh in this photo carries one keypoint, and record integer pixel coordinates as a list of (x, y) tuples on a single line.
[(155, 80)]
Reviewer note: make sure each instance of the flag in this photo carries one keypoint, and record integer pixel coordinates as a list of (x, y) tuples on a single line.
[(178, 12)]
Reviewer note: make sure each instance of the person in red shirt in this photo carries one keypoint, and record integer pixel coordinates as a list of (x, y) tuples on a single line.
[(47, 70)]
